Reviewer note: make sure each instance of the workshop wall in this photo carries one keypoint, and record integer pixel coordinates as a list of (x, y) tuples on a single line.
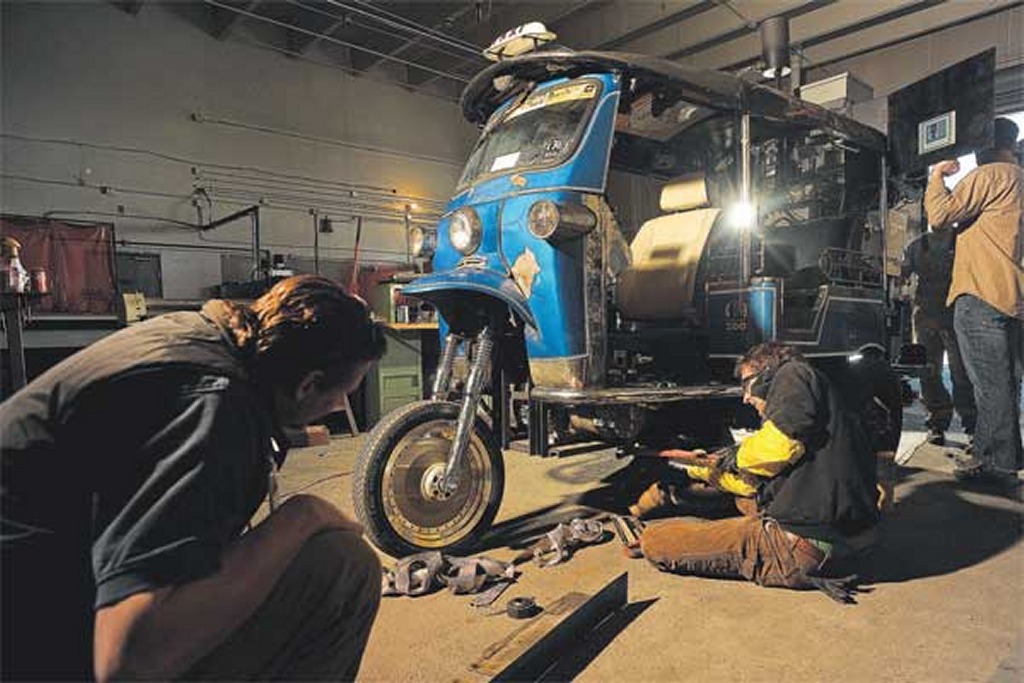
[(891, 68), (120, 117)]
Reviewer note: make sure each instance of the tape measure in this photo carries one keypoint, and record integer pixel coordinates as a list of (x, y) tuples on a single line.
[(522, 608)]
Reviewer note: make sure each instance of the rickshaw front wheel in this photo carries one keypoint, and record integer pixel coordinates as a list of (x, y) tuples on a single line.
[(397, 486)]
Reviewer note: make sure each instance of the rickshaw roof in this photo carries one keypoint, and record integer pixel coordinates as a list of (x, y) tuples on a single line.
[(705, 87)]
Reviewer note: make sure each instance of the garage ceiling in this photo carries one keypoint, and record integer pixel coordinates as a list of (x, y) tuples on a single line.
[(435, 46)]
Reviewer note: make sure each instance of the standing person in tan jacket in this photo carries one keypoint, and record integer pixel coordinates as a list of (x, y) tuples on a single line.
[(987, 292)]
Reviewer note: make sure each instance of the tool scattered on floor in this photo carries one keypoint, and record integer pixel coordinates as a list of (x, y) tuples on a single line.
[(522, 608), (558, 545), (426, 572), (488, 597), (628, 529)]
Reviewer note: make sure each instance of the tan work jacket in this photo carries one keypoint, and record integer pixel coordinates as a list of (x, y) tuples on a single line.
[(989, 260)]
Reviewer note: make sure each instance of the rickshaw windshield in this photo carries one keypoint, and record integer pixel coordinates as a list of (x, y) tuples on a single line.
[(541, 131)]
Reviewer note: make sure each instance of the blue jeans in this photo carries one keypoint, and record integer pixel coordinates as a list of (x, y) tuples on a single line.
[(992, 346)]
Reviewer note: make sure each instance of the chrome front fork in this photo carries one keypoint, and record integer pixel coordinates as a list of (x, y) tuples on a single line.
[(479, 374), (442, 379)]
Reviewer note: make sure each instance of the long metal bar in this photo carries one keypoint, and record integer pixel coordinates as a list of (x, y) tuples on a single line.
[(635, 395), (745, 197), (343, 43), (533, 648)]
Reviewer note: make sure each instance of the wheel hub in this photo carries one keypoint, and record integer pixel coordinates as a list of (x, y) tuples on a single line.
[(433, 483)]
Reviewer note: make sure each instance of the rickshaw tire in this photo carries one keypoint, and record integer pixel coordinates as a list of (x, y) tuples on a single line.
[(367, 494)]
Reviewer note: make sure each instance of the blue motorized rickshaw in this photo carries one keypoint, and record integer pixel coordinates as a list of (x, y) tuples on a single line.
[(624, 229)]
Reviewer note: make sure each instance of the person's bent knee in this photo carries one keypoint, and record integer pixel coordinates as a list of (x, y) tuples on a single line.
[(344, 551), (654, 545)]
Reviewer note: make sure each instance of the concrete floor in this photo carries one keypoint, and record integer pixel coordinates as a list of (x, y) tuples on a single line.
[(946, 600)]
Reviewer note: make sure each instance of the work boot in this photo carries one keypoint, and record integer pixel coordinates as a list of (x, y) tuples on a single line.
[(936, 437), (968, 468), (654, 498)]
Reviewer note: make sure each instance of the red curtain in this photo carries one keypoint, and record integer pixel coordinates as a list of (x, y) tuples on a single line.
[(78, 259)]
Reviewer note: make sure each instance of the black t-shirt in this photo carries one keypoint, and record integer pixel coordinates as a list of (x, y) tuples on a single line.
[(119, 479), (830, 491)]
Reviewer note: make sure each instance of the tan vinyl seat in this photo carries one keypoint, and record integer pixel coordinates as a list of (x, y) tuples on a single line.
[(660, 283)]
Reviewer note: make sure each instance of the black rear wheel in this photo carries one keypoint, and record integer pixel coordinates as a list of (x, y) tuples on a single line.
[(396, 488)]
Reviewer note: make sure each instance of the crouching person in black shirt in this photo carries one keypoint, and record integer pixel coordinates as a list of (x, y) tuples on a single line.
[(130, 471), (805, 483)]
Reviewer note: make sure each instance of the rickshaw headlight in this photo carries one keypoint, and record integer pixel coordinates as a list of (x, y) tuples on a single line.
[(422, 243), (549, 220), (543, 218), (464, 231)]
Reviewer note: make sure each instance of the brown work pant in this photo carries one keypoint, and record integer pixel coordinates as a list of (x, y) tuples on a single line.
[(751, 547), (314, 624)]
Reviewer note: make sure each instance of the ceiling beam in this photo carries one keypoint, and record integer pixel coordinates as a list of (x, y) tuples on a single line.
[(843, 31), (903, 36), (744, 30), (657, 25), (225, 20), (132, 7), (354, 47), (515, 17), (416, 40), (304, 43)]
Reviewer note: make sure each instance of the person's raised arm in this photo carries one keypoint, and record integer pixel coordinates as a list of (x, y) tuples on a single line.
[(944, 208)]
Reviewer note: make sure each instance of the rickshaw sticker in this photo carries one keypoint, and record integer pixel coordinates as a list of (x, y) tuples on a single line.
[(561, 93), (505, 161), (525, 271), (553, 147), (572, 91)]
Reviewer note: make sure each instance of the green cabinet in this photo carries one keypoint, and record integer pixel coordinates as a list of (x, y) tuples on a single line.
[(397, 378)]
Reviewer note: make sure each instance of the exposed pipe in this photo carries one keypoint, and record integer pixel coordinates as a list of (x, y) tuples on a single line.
[(320, 185), (253, 212), (199, 117), (201, 165), (311, 193), (175, 245), (298, 204)]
